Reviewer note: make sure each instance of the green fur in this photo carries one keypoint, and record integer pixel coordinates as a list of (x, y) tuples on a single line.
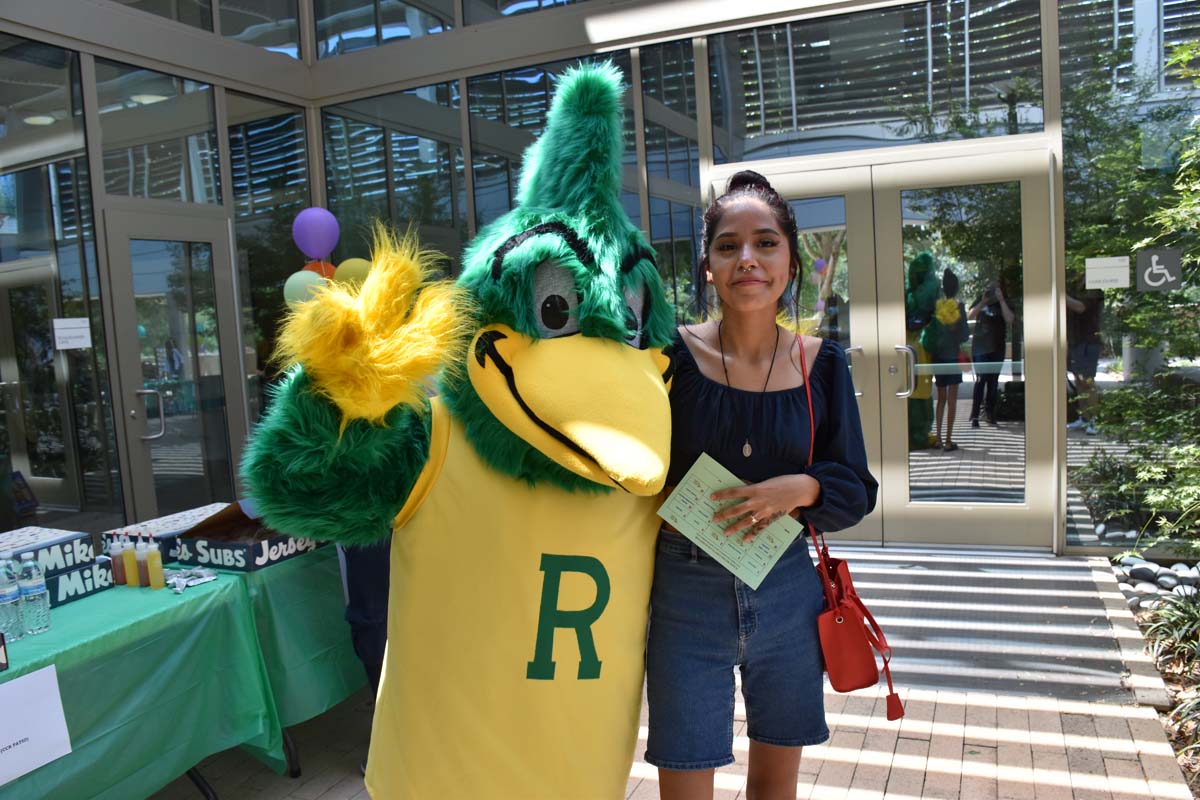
[(310, 481), (572, 175), (350, 487)]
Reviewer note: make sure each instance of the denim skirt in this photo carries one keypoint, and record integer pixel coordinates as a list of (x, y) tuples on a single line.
[(704, 622)]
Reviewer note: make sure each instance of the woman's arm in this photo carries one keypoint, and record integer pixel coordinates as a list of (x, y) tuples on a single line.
[(1007, 312)]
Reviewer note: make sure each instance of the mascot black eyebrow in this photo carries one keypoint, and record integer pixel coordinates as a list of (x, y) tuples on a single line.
[(522, 497)]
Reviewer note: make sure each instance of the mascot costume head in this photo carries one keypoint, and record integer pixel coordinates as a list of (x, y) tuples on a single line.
[(521, 497)]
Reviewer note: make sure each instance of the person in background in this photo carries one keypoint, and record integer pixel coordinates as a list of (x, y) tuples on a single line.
[(835, 322), (366, 576), (992, 317), (174, 359), (951, 331), (1083, 353)]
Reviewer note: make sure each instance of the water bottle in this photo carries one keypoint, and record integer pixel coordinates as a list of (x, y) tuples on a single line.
[(35, 600), (12, 624)]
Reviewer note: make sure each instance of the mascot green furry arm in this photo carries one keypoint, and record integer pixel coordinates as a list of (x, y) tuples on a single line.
[(348, 432), (921, 286), (523, 495)]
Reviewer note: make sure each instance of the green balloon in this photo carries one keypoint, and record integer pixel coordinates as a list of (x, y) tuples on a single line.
[(352, 270), (301, 285)]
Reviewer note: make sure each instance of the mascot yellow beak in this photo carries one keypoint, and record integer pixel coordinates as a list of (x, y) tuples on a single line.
[(594, 406)]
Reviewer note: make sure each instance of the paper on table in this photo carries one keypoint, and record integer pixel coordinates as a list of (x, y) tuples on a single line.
[(690, 510), (33, 729)]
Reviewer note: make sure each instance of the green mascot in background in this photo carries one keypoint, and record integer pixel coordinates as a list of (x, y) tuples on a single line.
[(921, 287), (522, 497)]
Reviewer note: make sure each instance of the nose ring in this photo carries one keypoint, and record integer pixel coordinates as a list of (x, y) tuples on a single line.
[(744, 269)]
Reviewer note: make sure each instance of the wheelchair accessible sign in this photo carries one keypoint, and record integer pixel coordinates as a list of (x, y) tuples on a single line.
[(1159, 270)]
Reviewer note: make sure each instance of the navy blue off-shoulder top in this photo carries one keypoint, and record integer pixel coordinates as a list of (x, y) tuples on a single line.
[(708, 416)]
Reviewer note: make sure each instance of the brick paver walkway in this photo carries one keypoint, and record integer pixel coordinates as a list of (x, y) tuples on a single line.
[(987, 672)]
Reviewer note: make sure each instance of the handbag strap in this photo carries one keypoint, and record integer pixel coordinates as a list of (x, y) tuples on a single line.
[(895, 709), (817, 537)]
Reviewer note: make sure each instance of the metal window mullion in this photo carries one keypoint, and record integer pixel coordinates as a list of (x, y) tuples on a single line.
[(967, 53), (639, 136), (307, 23), (230, 332), (464, 138), (762, 102), (929, 55), (119, 378), (216, 17), (378, 22), (314, 136), (791, 64), (704, 132), (1052, 125), (389, 172)]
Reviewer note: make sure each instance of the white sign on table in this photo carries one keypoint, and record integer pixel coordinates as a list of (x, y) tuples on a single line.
[(72, 333), (33, 728), (1107, 273)]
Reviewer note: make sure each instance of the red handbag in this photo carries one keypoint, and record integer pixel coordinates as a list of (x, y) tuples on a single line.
[(850, 636)]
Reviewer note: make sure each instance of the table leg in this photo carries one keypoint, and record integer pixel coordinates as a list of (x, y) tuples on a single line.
[(203, 785), (292, 753)]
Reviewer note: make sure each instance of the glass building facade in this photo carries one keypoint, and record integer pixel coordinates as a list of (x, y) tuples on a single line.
[(106, 152)]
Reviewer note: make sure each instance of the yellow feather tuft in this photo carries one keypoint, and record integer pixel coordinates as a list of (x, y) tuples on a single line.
[(373, 347), (946, 311)]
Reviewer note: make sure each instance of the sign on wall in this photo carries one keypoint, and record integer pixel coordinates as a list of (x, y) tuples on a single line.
[(1111, 272), (1159, 270), (72, 333)]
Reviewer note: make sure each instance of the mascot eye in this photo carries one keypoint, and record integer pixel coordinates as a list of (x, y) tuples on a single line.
[(636, 306), (555, 300)]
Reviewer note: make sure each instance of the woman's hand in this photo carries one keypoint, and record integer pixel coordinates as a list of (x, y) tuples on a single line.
[(763, 503)]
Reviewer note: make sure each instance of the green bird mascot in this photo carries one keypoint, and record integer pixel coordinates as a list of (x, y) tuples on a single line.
[(522, 497)]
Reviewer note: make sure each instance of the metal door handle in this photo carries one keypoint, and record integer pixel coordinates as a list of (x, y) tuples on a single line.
[(911, 356), (856, 349), (162, 417)]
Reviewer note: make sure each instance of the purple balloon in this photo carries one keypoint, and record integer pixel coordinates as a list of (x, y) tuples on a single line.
[(820, 306), (315, 232), (819, 265)]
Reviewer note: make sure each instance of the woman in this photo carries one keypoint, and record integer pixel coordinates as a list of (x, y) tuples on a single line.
[(738, 395), (992, 317), (946, 336)]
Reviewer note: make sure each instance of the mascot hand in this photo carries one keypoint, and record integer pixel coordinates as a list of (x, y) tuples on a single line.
[(372, 348), (314, 474)]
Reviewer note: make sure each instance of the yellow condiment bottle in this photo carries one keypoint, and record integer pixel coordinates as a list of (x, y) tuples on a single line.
[(154, 565), (129, 558)]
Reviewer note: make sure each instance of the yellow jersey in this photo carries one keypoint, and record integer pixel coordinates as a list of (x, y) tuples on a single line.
[(516, 636)]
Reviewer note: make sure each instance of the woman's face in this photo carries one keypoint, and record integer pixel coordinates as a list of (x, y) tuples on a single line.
[(748, 260)]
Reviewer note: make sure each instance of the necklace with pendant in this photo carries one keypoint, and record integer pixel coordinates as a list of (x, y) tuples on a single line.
[(747, 450)]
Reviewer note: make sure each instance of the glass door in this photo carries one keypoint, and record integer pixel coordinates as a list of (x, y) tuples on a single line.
[(966, 326), (177, 345), (35, 416), (936, 276), (836, 232)]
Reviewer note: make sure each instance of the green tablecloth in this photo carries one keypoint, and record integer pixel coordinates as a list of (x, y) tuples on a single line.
[(299, 610), (153, 682)]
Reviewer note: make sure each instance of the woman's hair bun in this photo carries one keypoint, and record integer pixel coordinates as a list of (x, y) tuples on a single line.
[(748, 179), (949, 283)]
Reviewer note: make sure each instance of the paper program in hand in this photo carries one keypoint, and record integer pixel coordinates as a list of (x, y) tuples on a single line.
[(690, 509)]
